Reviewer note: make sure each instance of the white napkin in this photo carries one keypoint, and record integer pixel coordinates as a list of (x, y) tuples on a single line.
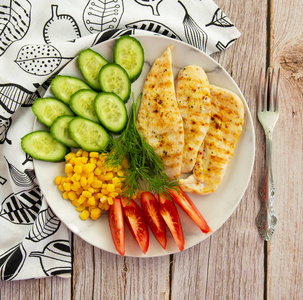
[(36, 41)]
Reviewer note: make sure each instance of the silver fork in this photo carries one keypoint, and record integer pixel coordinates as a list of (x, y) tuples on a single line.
[(268, 114)]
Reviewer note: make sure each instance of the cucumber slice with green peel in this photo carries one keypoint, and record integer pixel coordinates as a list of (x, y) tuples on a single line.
[(49, 109), (111, 111), (60, 131), (114, 79), (90, 64), (129, 54), (42, 146), (65, 86), (90, 136), (82, 104)]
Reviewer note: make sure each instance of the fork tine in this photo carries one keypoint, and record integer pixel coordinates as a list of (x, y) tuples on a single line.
[(271, 91), (277, 92), (260, 92), (265, 90)]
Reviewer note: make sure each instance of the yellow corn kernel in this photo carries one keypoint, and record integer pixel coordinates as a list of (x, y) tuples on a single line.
[(69, 155), (110, 187), (61, 188), (101, 177), (76, 177), (90, 208), (80, 208), (106, 206), (91, 190), (86, 194), (104, 192), (85, 153), (93, 161), (68, 168), (71, 195), (67, 186), (79, 152), (78, 168), (83, 181), (96, 184), (103, 198), (113, 194), (91, 201), (94, 154), (109, 176), (134, 196), (81, 199), (58, 180), (97, 171), (110, 201), (95, 213), (84, 215), (88, 168), (120, 173), (65, 195), (75, 186), (75, 203), (79, 191), (116, 180)]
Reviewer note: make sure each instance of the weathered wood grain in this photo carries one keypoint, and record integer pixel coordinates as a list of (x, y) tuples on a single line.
[(285, 251)]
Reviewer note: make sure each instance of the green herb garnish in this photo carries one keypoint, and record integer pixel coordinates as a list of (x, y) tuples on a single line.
[(145, 168)]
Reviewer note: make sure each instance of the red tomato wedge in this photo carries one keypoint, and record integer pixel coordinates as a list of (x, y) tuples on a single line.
[(171, 217), (182, 199), (136, 223), (150, 208), (116, 225)]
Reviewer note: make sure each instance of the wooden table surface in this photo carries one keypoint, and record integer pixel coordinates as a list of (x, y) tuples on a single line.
[(234, 263)]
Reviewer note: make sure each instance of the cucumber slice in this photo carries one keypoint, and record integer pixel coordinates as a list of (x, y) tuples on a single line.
[(42, 146), (60, 132), (89, 135), (114, 79), (64, 86), (49, 109), (111, 111), (90, 64), (82, 104), (129, 54)]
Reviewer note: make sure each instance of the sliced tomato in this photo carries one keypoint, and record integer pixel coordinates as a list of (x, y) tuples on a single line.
[(182, 199), (136, 223), (116, 225), (171, 217), (150, 208)]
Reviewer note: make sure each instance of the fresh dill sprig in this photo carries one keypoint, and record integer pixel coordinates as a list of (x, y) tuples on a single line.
[(145, 168)]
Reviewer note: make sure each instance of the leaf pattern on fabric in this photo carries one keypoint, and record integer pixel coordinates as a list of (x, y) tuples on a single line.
[(152, 3), (55, 258), (22, 208), (39, 60), (100, 15), (15, 21), (5, 124), (65, 24), (11, 262), (46, 224), (153, 26), (111, 34), (220, 19), (22, 179), (13, 95), (194, 34)]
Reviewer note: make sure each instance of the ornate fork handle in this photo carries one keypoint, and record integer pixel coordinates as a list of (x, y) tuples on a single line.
[(266, 219)]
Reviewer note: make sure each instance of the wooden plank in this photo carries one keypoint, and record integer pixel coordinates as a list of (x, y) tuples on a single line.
[(285, 259), (231, 262)]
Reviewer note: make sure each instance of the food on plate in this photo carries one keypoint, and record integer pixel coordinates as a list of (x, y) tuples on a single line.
[(64, 86), (89, 135), (42, 146), (90, 63), (49, 109), (111, 111), (137, 225), (151, 211), (82, 104), (114, 79), (59, 131), (219, 143), (129, 54), (159, 120), (89, 184), (171, 217), (116, 225), (193, 97), (183, 200)]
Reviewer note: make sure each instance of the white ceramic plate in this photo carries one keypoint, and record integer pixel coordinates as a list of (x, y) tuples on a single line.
[(216, 208)]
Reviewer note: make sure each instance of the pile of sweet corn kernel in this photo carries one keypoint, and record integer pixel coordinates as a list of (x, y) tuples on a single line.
[(89, 184)]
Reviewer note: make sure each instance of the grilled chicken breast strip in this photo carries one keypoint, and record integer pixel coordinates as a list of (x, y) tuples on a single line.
[(217, 149), (193, 97), (159, 120)]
